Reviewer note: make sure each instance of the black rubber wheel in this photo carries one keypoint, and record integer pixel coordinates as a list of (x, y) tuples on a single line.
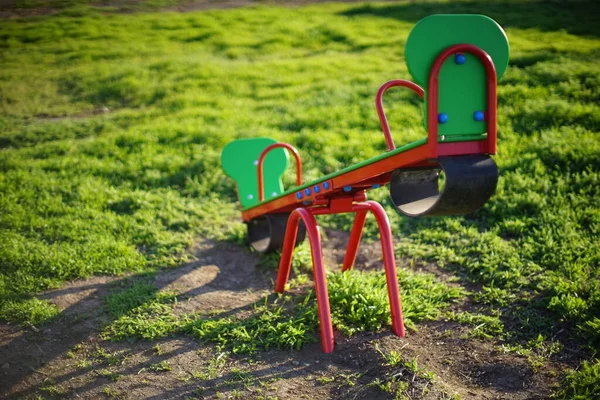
[(469, 183), (266, 233)]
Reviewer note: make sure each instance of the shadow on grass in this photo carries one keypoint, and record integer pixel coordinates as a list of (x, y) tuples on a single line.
[(221, 267), (575, 17)]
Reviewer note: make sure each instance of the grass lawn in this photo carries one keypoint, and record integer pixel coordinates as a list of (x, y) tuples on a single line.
[(111, 127)]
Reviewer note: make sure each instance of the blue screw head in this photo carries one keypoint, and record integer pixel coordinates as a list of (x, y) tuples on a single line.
[(442, 118), (460, 59), (376, 186), (307, 202), (325, 185), (307, 191), (316, 189), (347, 188), (299, 195), (478, 116)]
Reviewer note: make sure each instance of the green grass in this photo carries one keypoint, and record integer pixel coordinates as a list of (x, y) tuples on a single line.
[(111, 127), (285, 322)]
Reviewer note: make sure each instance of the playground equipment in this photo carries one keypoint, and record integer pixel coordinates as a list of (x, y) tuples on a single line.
[(457, 58)]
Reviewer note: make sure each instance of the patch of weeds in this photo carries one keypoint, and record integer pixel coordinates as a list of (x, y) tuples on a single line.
[(110, 358), (50, 387), (113, 376), (161, 366), (120, 302), (391, 358), (350, 379), (214, 367), (157, 349), (392, 385), (400, 375), (242, 377), (85, 363), (359, 300), (494, 296), (591, 330), (299, 280), (152, 320), (582, 383), (537, 350), (33, 310), (484, 326), (270, 326), (325, 379), (111, 393)]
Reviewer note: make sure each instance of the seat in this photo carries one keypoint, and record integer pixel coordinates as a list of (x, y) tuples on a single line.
[(240, 162)]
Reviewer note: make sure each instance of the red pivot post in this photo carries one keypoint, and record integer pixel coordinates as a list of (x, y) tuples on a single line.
[(354, 241)]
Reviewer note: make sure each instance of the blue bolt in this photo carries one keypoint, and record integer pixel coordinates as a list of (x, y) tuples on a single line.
[(442, 118), (325, 185), (347, 188), (376, 185), (316, 189), (460, 59), (307, 191), (306, 202), (478, 116), (299, 195)]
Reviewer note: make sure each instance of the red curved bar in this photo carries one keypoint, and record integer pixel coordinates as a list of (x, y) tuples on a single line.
[(389, 262), (292, 149), (433, 94), (327, 341), (379, 104)]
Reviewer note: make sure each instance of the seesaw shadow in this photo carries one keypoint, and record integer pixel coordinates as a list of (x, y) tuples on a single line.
[(224, 276)]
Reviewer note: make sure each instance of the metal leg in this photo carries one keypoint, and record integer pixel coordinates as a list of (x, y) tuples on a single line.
[(355, 236), (314, 237), (389, 262)]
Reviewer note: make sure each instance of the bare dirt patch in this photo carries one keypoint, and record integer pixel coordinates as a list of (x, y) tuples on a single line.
[(68, 358)]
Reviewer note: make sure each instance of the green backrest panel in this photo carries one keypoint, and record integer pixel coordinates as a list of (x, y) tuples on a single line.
[(240, 162), (462, 87)]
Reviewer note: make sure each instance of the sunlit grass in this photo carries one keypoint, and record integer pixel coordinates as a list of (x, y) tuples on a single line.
[(111, 126)]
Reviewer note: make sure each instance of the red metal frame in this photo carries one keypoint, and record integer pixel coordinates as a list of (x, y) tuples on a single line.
[(379, 104), (389, 261), (338, 200), (261, 159)]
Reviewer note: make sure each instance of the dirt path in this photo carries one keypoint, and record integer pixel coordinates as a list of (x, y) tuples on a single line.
[(67, 358)]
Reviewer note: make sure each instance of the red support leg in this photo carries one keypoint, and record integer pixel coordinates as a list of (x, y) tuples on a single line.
[(389, 262), (355, 236), (314, 237)]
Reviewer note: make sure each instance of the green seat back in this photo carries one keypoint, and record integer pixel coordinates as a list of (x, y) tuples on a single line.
[(240, 162), (462, 87)]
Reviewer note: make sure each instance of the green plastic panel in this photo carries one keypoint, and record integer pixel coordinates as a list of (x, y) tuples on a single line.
[(240, 162), (462, 87)]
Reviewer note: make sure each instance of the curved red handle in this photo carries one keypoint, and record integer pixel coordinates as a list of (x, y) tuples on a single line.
[(379, 104), (292, 149), (433, 93)]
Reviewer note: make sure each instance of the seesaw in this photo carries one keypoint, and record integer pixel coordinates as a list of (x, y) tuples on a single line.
[(458, 59)]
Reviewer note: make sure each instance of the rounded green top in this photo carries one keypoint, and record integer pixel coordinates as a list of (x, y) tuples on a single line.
[(435, 33)]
